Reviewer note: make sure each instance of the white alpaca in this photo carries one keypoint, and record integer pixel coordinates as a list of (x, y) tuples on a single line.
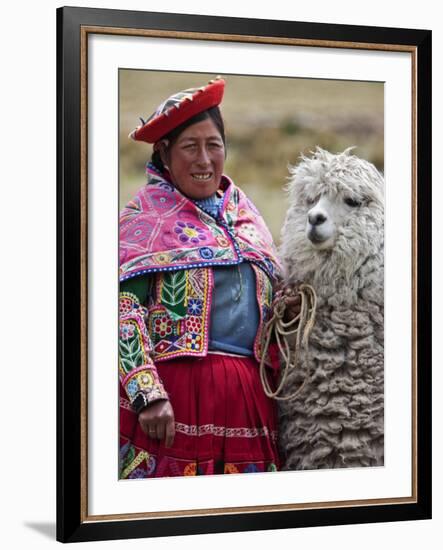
[(333, 239)]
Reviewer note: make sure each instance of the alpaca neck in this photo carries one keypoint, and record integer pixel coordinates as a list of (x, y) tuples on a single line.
[(333, 276)]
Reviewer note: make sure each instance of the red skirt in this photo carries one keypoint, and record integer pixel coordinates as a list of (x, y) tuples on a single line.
[(224, 423)]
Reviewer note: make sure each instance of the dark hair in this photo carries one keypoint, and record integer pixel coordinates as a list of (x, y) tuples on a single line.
[(213, 113)]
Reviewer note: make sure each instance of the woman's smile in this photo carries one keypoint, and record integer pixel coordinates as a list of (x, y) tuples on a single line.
[(202, 177)]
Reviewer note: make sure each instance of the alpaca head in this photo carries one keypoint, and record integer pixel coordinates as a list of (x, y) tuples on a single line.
[(335, 217), (325, 217)]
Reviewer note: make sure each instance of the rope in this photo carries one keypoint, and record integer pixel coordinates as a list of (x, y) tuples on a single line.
[(304, 323)]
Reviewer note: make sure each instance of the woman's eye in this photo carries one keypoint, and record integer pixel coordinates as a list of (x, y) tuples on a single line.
[(352, 202)]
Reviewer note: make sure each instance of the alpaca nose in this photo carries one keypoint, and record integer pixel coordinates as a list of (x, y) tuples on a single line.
[(316, 218)]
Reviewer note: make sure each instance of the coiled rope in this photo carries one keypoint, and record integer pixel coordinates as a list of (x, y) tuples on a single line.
[(304, 323)]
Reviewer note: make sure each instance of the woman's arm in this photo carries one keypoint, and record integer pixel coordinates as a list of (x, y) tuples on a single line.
[(138, 373)]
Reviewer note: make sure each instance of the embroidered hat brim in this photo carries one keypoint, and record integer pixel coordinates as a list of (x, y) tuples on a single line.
[(177, 109)]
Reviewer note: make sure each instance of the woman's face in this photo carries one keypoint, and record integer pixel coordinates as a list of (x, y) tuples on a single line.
[(195, 160)]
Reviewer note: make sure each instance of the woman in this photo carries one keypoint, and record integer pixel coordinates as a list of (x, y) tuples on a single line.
[(197, 271)]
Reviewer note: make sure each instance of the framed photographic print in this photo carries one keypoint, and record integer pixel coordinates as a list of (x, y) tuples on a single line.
[(167, 380)]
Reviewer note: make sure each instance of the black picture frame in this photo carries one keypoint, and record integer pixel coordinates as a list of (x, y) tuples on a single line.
[(73, 24)]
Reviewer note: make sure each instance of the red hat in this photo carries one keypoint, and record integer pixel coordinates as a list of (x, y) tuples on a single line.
[(177, 109)]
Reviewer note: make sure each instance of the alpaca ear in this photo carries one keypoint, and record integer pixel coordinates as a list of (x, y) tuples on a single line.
[(348, 150)]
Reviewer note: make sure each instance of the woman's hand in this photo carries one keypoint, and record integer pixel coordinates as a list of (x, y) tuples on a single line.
[(293, 304), (291, 298), (157, 421)]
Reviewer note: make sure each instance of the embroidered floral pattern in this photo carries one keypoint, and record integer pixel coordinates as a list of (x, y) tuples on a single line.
[(222, 241), (136, 232), (132, 388), (183, 235), (162, 258), (180, 307), (173, 293), (206, 253), (187, 231), (163, 199), (160, 222), (179, 315), (137, 371), (163, 326), (250, 233), (126, 331), (193, 342), (145, 380), (131, 462), (130, 346), (143, 387), (136, 463), (193, 324), (125, 305), (195, 306)]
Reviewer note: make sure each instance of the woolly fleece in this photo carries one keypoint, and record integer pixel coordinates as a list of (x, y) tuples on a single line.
[(338, 419)]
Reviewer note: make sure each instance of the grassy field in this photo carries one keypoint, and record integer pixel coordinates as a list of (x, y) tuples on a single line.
[(269, 123)]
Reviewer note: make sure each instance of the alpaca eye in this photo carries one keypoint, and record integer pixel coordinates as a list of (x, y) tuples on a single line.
[(352, 202), (310, 202)]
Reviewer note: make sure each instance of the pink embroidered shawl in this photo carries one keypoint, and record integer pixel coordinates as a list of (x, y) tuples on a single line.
[(162, 230)]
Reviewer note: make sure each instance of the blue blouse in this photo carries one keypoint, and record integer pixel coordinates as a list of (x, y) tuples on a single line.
[(235, 314)]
